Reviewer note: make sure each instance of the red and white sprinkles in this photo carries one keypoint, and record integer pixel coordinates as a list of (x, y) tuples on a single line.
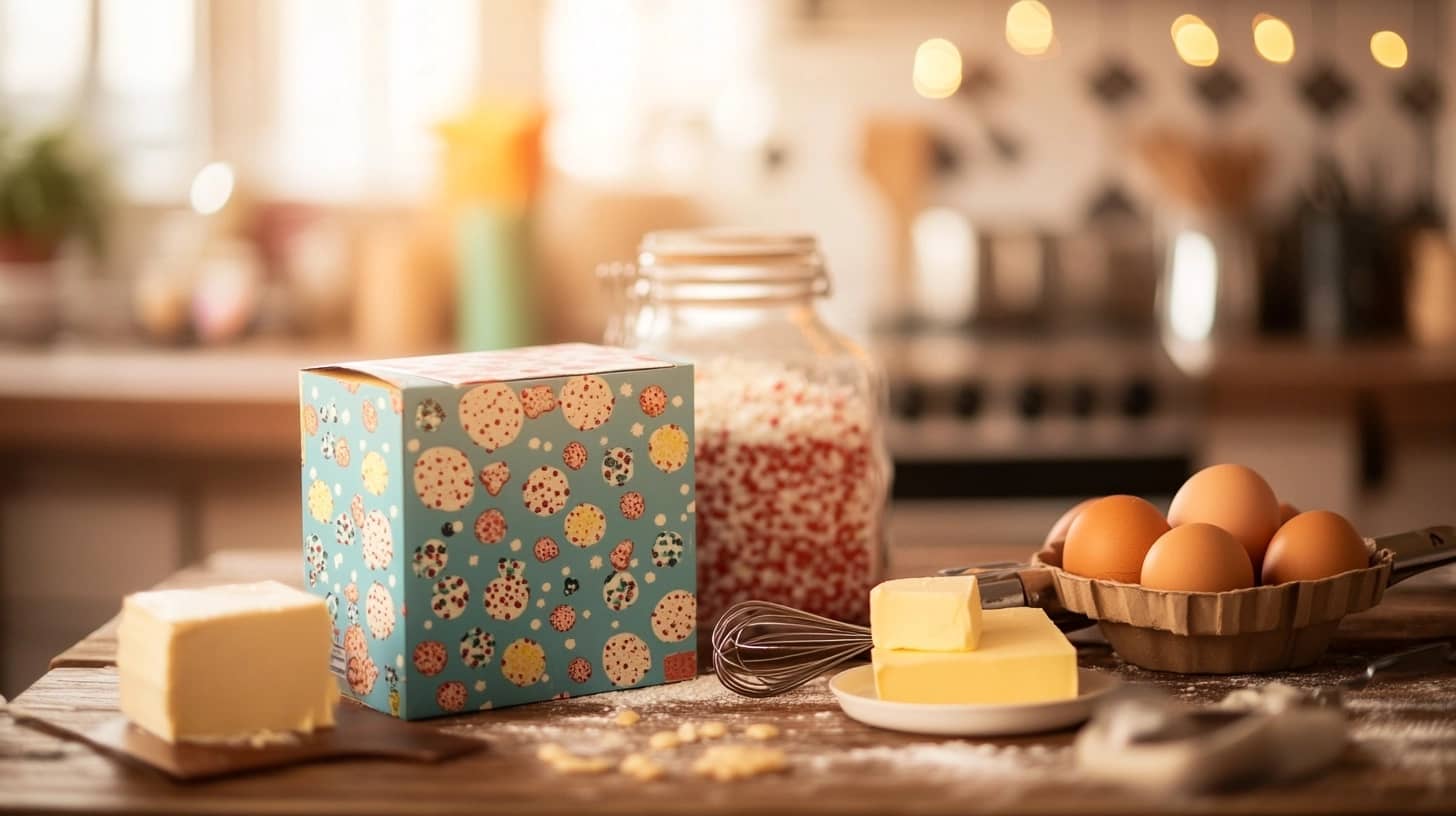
[(790, 492)]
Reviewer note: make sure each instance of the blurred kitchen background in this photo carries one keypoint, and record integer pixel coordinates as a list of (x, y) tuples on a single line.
[(1095, 244)]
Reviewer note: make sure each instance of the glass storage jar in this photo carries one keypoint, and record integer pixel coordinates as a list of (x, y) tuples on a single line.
[(792, 470)]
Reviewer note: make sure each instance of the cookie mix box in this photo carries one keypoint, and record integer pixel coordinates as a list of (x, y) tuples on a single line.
[(495, 528)]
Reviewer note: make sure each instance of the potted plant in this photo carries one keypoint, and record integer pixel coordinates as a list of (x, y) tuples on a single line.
[(50, 193)]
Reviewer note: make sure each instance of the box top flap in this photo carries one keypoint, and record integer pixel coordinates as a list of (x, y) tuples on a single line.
[(528, 363)]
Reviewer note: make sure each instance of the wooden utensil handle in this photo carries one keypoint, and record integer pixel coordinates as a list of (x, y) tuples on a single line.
[(1419, 550)]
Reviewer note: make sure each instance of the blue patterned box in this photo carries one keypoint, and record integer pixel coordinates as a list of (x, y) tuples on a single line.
[(496, 528)]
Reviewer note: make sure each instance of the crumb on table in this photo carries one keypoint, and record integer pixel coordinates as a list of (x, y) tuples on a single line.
[(723, 763), (761, 731), (627, 718)]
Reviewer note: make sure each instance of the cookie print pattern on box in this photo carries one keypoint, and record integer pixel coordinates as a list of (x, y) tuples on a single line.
[(444, 479), (378, 540), (668, 448), (523, 662), (491, 414), (375, 472), (667, 549), (490, 527), (617, 467), (369, 417), (574, 455), (562, 618), (619, 591), (579, 670), (585, 525), (316, 560), (790, 479), (653, 400), (537, 400), (621, 556), (344, 529), (450, 597), (493, 477), (587, 402), (626, 659), (379, 611), (675, 616), (546, 549), (430, 657), (451, 696), (477, 647), (545, 491), (557, 493), (507, 595), (429, 415), (430, 559), (320, 500)]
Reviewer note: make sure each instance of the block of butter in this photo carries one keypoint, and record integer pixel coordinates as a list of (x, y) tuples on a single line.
[(1023, 658), (226, 663), (941, 614)]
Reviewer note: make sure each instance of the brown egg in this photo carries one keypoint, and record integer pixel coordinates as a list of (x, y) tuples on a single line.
[(1314, 545), (1232, 497), (1059, 530), (1109, 538), (1197, 558), (1287, 511)]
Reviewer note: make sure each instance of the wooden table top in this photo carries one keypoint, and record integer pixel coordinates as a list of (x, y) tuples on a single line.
[(1402, 756)]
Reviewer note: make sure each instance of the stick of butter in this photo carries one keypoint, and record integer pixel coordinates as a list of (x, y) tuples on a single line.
[(226, 663), (940, 614), (1023, 658)]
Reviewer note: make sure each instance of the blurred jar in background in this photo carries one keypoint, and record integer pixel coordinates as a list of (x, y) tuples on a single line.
[(792, 471)]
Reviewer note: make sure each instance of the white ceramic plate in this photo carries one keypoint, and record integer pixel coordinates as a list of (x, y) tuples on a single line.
[(855, 690)]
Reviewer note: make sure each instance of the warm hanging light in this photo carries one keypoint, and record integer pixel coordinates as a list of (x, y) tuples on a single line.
[(1273, 38), (1029, 28), (1195, 42), (1389, 49), (1184, 20), (937, 72)]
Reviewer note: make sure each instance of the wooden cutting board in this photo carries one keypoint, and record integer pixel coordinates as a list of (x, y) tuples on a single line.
[(359, 732)]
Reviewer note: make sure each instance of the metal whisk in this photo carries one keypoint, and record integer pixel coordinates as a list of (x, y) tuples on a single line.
[(762, 649)]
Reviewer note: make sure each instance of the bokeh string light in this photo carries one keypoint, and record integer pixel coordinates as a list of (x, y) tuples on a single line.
[(1389, 49), (1273, 38), (937, 71), (1194, 41), (1029, 29)]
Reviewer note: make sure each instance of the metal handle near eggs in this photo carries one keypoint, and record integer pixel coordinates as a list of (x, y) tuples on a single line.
[(1418, 550), (1006, 584)]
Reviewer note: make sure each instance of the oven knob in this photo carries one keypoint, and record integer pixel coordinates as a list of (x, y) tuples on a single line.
[(908, 401), (1138, 399), (1083, 400), (1031, 400), (968, 400)]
